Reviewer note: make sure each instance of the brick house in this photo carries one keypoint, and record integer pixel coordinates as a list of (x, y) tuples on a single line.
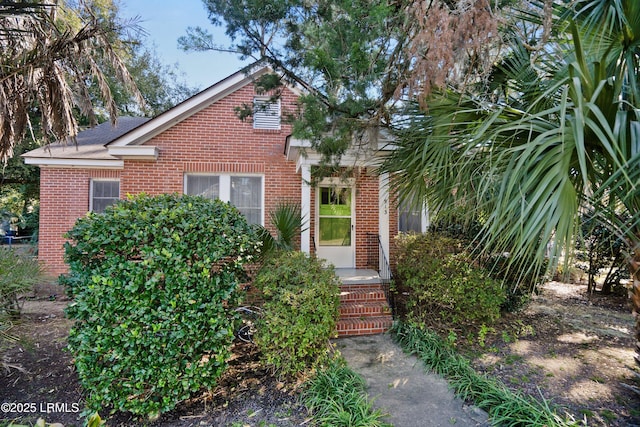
[(201, 147)]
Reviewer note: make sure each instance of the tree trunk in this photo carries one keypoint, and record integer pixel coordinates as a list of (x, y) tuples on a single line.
[(635, 295)]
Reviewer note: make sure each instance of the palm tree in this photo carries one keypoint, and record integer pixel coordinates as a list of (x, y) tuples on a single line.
[(51, 55), (554, 132)]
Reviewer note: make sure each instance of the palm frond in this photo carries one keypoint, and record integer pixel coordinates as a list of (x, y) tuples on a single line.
[(47, 64)]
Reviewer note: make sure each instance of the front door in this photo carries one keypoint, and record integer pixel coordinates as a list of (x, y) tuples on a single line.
[(335, 229)]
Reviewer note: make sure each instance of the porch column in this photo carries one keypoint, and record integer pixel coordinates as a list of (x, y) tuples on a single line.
[(305, 207), (383, 213)]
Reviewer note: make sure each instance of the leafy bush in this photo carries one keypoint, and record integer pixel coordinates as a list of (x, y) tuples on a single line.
[(18, 274), (154, 280), (519, 282), (445, 286), (301, 307)]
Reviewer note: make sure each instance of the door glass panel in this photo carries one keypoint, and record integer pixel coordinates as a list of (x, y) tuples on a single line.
[(335, 231), (335, 217)]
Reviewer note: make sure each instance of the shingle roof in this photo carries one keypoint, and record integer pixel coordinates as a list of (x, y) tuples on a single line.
[(91, 142)]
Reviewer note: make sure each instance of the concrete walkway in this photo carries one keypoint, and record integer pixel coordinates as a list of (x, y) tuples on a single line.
[(400, 386)]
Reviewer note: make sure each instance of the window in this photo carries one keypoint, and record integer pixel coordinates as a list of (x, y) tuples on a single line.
[(266, 113), (334, 216), (103, 193), (244, 192), (246, 195), (412, 218), (207, 186)]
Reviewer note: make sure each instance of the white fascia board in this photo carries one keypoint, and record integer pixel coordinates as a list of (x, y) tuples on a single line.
[(296, 148), (347, 160), (187, 108), (74, 163), (134, 152)]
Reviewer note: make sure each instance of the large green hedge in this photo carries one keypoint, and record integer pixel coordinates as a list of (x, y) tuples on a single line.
[(154, 281)]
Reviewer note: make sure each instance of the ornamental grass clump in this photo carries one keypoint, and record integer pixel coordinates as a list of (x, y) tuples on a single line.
[(154, 282), (337, 397)]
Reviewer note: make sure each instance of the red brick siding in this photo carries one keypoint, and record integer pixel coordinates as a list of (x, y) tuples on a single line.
[(64, 197), (367, 218), (211, 141)]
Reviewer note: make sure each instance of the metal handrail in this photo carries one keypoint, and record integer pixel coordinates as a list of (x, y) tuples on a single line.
[(386, 276)]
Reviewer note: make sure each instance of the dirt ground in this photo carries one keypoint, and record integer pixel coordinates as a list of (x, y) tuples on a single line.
[(575, 351)]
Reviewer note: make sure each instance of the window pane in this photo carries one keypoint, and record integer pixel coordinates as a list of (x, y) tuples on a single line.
[(335, 231), (409, 219), (246, 195), (207, 186), (410, 222), (105, 193), (335, 201)]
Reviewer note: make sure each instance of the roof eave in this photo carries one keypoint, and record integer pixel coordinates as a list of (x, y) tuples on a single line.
[(134, 152), (187, 108), (74, 163)]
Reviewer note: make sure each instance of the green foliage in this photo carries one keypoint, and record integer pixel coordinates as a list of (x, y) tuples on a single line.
[(287, 220), (153, 281), (162, 86), (337, 397), (601, 248), (19, 192), (18, 273), (504, 406), (553, 139), (301, 303), (445, 285)]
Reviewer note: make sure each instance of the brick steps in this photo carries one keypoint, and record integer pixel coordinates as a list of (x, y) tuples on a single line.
[(363, 310), (367, 326)]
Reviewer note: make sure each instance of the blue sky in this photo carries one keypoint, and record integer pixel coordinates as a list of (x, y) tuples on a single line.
[(165, 21)]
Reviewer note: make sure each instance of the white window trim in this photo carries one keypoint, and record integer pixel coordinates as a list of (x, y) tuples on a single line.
[(224, 184), (100, 180)]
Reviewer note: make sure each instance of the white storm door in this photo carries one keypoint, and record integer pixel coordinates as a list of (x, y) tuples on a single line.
[(335, 228)]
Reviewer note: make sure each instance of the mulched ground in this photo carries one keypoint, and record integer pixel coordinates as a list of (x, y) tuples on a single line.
[(39, 380)]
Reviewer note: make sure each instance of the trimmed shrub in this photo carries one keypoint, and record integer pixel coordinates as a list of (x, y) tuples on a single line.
[(445, 286), (155, 281), (301, 308)]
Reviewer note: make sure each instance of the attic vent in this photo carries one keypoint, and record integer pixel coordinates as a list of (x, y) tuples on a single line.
[(266, 113)]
